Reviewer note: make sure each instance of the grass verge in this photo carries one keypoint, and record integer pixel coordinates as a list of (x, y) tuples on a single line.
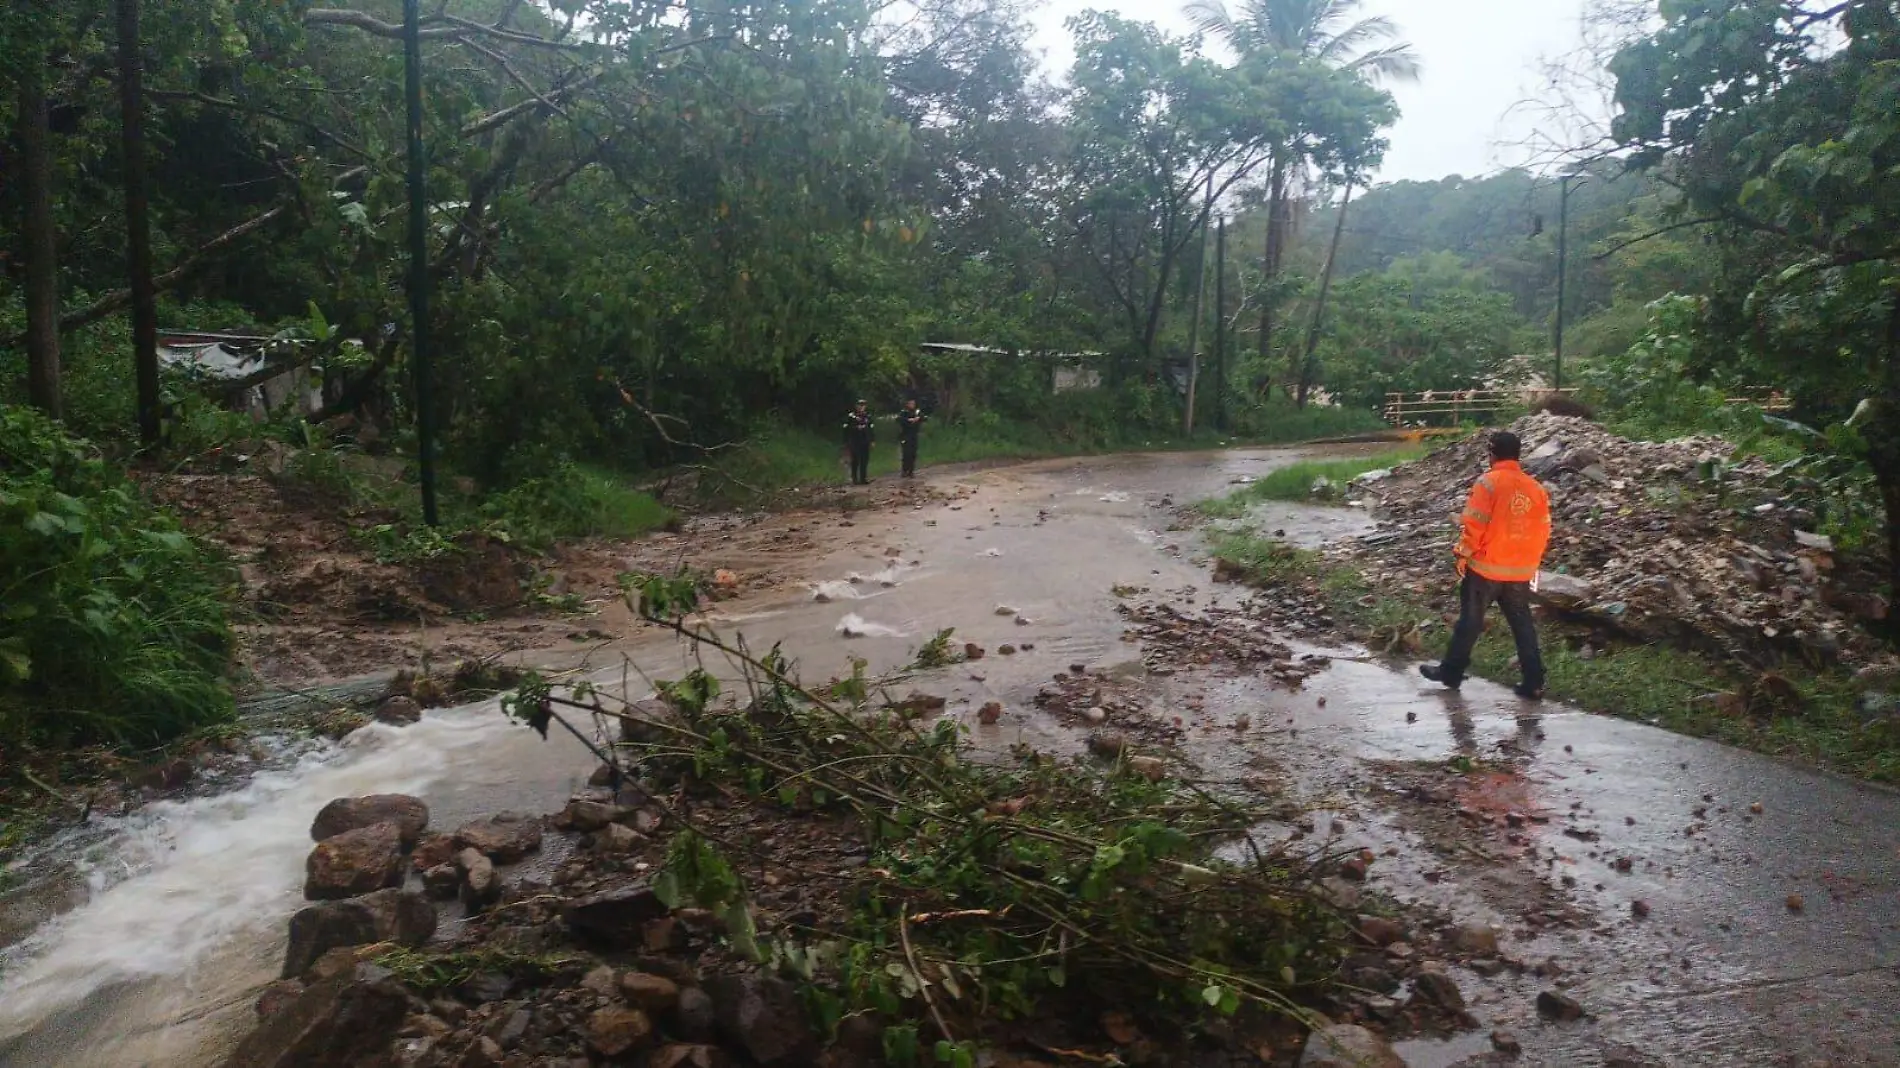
[(1654, 684), (1295, 482)]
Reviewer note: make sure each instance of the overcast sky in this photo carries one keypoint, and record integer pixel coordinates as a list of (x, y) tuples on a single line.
[(1480, 57)]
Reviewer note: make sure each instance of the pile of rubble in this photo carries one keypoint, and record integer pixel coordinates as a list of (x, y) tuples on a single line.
[(1672, 541), (1174, 639)]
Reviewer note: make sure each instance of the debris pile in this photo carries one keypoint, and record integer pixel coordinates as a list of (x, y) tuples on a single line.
[(1235, 638), (1672, 541)]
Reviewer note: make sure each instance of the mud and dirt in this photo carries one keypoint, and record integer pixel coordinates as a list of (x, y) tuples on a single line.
[(1695, 905)]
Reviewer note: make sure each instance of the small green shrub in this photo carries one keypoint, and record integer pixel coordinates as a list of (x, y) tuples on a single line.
[(571, 501), (112, 620)]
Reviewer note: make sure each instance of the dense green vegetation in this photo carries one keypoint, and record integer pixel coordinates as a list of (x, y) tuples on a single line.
[(112, 621), (1303, 481)]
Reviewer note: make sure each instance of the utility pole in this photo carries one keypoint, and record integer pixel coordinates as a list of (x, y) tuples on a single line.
[(1563, 266), (419, 258), (1220, 325)]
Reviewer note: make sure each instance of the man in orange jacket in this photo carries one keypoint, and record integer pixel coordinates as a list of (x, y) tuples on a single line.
[(1504, 531)]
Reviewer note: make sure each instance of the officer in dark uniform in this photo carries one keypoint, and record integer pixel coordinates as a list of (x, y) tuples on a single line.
[(858, 432), (910, 419)]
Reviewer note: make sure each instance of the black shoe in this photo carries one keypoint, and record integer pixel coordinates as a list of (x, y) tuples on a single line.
[(1528, 692), (1437, 674)]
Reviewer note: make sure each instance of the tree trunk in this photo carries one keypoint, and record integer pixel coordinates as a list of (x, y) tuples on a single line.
[(138, 226), (40, 240), (1319, 306), (1194, 326), (1277, 219)]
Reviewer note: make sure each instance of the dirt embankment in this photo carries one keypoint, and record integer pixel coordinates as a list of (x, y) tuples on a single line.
[(322, 602)]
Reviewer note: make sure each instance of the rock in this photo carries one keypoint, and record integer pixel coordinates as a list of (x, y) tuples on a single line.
[(585, 816), (354, 862), (442, 882), (1476, 939), (481, 883), (1151, 768), (1005, 610), (1506, 1043), (613, 919), (342, 1022), (972, 651), (989, 713), (655, 993), (1555, 1005), (618, 840), (1723, 703), (1873, 677), (484, 1052), (1795, 903), (409, 814), (1096, 715), (277, 996), (1347, 1046), (1353, 869), (616, 1031), (1006, 649), (647, 721), (400, 916), (683, 1055), (764, 1016), (1107, 745), (919, 704), (1437, 988), (1379, 931), (1561, 590), (433, 850), (1817, 542), (398, 711), (503, 838), (1639, 909), (694, 1018)]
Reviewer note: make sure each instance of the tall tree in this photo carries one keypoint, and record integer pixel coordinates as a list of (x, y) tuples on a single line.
[(1781, 119), (1330, 32), (138, 224), (32, 129)]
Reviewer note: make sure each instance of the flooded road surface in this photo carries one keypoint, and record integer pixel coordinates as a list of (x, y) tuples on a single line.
[(187, 917)]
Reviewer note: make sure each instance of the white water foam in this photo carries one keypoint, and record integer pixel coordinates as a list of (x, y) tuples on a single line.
[(196, 876), (835, 590), (888, 577), (856, 626)]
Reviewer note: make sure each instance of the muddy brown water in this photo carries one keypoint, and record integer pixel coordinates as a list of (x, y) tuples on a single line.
[(188, 901)]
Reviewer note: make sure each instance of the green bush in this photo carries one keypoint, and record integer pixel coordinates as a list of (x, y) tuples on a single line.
[(572, 501), (112, 620)]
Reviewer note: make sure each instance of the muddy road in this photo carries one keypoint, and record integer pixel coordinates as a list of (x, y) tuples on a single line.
[(1702, 905)]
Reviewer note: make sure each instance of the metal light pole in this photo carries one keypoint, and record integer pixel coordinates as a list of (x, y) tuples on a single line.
[(1563, 265), (419, 257), (1220, 324)]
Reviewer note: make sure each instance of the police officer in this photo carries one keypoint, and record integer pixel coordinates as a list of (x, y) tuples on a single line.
[(858, 432), (910, 419)]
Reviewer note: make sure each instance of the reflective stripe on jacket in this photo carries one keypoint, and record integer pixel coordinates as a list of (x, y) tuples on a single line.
[(1506, 524)]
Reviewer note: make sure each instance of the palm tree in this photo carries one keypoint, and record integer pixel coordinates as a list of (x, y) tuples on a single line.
[(1324, 31)]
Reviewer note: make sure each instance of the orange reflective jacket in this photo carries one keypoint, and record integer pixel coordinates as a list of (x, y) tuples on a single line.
[(1506, 524)]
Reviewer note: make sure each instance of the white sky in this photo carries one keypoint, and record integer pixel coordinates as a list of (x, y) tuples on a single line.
[(1480, 57)]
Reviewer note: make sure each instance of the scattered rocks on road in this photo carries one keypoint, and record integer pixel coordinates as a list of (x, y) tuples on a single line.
[(1556, 1005)]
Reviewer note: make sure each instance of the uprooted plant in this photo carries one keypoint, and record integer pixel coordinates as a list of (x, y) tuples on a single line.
[(996, 889)]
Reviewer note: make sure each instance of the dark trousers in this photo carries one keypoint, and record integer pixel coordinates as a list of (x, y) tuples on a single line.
[(860, 462), (909, 449), (1474, 600)]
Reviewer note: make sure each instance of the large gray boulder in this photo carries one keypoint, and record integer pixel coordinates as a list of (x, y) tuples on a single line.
[(354, 863), (340, 1022), (409, 814), (400, 916)]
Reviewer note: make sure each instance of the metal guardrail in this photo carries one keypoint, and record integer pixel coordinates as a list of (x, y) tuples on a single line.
[(1459, 403)]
